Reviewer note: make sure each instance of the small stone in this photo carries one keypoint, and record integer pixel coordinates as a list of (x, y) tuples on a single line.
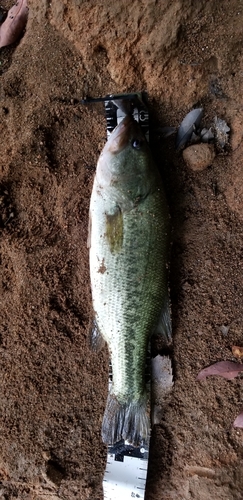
[(197, 470), (224, 329), (237, 351), (199, 156)]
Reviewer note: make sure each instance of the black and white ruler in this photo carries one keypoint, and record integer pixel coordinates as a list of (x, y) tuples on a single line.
[(117, 106), (126, 471), (126, 467)]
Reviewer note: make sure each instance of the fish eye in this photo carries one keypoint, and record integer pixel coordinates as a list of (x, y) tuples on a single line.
[(137, 144)]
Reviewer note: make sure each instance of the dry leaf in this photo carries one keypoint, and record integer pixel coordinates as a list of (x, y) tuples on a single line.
[(222, 131), (226, 369), (15, 23), (237, 351), (239, 421), (191, 121)]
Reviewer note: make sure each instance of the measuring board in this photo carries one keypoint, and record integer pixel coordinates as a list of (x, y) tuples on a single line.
[(126, 467), (115, 112), (126, 471)]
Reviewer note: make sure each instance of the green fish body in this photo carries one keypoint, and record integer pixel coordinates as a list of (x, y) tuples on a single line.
[(128, 242)]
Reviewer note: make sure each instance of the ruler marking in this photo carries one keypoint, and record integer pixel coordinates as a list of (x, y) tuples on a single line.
[(122, 481)]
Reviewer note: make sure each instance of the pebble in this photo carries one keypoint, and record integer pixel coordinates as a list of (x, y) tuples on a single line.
[(224, 329), (199, 156), (200, 471)]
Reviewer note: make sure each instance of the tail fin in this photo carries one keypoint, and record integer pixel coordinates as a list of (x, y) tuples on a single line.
[(128, 421)]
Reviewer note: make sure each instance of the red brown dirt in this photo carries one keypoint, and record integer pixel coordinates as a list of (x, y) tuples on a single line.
[(53, 388)]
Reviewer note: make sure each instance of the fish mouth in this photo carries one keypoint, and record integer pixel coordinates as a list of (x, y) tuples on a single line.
[(121, 135)]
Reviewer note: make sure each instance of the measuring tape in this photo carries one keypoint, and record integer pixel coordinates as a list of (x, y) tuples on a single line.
[(126, 467), (116, 107), (126, 471)]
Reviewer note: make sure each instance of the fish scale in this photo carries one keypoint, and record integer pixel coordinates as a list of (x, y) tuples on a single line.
[(125, 302)]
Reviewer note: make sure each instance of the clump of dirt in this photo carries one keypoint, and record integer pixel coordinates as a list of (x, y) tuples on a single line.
[(53, 387)]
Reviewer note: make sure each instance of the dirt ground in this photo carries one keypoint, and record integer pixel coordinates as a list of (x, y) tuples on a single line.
[(53, 387)]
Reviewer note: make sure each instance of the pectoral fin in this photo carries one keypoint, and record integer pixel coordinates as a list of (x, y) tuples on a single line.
[(114, 230), (97, 342)]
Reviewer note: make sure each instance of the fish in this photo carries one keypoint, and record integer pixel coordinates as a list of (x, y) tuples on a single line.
[(128, 253)]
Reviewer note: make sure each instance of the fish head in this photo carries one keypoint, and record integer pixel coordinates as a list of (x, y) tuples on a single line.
[(126, 155), (127, 134)]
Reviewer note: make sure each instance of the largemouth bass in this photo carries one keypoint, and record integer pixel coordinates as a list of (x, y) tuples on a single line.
[(128, 240)]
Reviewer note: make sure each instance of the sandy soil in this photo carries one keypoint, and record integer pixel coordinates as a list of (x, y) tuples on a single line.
[(53, 388)]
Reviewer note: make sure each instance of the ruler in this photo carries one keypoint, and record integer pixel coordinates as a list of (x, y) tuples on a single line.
[(126, 471), (116, 107), (126, 467)]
